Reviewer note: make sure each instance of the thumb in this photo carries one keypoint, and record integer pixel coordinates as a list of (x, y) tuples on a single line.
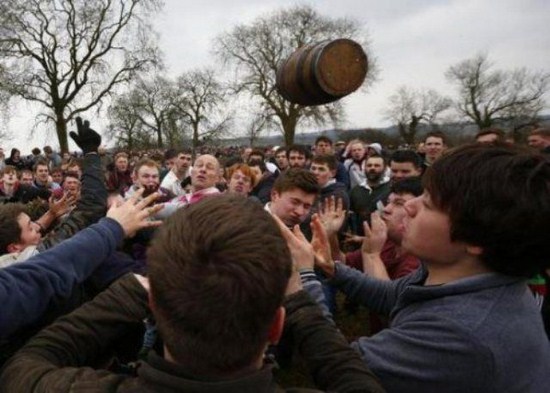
[(74, 136)]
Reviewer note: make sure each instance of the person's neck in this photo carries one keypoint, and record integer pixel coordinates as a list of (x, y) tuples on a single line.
[(374, 184), (8, 188), (254, 366), (439, 274), (181, 174)]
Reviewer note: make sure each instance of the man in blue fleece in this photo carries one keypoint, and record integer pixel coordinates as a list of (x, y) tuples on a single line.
[(26, 289), (466, 321)]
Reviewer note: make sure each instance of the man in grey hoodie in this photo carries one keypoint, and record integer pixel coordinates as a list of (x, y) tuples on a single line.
[(466, 320)]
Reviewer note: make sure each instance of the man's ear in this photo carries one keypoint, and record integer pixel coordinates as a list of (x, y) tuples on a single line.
[(274, 195), (277, 326), (14, 247), (333, 173), (474, 250)]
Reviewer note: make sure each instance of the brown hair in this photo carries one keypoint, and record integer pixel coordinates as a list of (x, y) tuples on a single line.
[(437, 134), (218, 271), (491, 130), (544, 132), (10, 231), (326, 159), (145, 162), (296, 178), (498, 198)]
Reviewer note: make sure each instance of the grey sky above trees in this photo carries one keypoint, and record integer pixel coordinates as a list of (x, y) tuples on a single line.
[(414, 43)]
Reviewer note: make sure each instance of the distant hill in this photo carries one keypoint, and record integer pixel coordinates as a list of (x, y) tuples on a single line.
[(388, 135)]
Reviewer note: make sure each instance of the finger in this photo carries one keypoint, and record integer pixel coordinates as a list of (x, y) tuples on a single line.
[(366, 228), (333, 203), (74, 136), (340, 205), (78, 124), (298, 233), (287, 234), (147, 201), (317, 227), (155, 223), (134, 199), (376, 221), (86, 125)]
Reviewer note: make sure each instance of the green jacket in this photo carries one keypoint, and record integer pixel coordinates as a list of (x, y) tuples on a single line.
[(55, 360)]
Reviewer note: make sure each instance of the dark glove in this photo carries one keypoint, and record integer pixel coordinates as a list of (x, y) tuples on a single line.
[(86, 138)]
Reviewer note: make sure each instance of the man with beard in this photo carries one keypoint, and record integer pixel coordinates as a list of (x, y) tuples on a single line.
[(365, 196), (147, 175), (298, 156)]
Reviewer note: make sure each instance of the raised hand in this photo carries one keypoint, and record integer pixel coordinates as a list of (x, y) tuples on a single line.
[(376, 235), (321, 246), (86, 138), (62, 205), (301, 253), (134, 214), (332, 215)]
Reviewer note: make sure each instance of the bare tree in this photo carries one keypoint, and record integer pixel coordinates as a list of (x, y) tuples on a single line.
[(155, 99), (410, 108), (69, 55), (200, 103), (125, 127), (491, 97), (256, 50)]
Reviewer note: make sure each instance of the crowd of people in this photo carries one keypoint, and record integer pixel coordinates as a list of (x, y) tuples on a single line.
[(171, 271)]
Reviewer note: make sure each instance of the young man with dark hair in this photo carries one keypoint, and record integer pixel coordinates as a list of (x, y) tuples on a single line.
[(42, 177), (214, 334), (181, 168), (323, 147), (298, 156), (405, 163), (292, 196), (466, 321), (12, 190), (259, 155), (435, 143), (281, 159), (90, 208), (540, 139), (26, 177), (490, 135), (324, 169), (120, 177)]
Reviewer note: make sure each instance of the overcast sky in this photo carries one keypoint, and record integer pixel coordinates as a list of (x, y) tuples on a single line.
[(414, 42)]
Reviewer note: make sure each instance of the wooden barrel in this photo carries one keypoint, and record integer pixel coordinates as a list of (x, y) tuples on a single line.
[(317, 74)]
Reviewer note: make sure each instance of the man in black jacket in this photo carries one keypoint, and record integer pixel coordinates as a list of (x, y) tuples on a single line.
[(219, 271)]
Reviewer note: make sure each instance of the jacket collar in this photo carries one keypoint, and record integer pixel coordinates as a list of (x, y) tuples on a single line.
[(170, 377)]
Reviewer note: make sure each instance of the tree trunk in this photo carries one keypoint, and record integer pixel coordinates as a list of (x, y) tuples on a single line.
[(159, 138), (289, 129), (61, 130), (195, 138)]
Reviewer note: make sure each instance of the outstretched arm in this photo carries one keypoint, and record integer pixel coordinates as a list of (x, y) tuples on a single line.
[(93, 201)]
